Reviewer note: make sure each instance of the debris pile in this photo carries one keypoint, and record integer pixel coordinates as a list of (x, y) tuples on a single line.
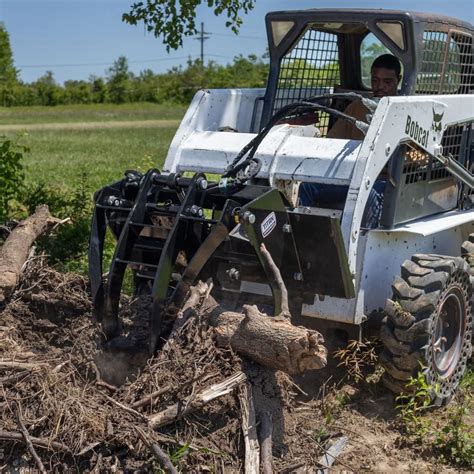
[(189, 400)]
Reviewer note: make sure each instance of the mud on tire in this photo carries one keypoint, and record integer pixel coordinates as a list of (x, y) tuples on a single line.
[(429, 324)]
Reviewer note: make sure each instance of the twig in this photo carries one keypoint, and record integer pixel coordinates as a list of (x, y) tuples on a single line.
[(149, 398), (291, 468), (285, 310), (99, 381), (160, 455), (125, 407), (175, 412), (58, 222), (12, 365), (98, 464), (14, 377), (26, 437)]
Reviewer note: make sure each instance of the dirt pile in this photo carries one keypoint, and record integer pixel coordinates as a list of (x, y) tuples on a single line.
[(61, 382)]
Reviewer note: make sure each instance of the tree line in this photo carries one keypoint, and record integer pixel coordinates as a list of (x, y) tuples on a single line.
[(120, 85)]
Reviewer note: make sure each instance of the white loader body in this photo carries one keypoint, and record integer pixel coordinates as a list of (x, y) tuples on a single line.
[(289, 155)]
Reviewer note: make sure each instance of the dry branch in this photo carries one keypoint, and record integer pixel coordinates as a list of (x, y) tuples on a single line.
[(266, 430), (178, 410), (148, 399), (285, 309), (9, 379), (12, 365), (40, 442), (160, 455), (16, 248), (125, 408), (27, 438), (249, 430)]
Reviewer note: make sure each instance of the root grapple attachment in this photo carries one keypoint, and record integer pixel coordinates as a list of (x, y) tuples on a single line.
[(171, 229), (167, 227)]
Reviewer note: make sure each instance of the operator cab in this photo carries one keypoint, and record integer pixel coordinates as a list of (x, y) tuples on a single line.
[(316, 52)]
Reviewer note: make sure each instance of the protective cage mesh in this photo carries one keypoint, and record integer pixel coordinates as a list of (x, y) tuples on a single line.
[(446, 65), (310, 68), (418, 166)]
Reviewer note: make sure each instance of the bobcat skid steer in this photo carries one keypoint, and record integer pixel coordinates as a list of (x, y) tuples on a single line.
[(414, 264)]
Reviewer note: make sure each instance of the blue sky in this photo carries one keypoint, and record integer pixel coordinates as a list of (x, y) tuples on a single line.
[(78, 38)]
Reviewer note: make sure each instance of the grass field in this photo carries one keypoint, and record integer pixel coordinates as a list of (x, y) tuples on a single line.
[(100, 141), (89, 113), (76, 150)]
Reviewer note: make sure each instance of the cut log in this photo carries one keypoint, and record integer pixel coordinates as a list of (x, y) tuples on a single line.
[(16, 248), (271, 341)]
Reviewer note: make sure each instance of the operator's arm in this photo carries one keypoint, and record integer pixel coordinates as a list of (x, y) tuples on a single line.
[(345, 129)]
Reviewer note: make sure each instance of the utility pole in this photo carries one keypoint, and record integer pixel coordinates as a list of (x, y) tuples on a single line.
[(202, 38)]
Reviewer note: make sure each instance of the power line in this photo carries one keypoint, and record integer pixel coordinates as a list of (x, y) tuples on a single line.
[(239, 36), (202, 38)]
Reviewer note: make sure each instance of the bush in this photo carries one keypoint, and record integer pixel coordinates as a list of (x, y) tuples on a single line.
[(11, 175), (67, 247)]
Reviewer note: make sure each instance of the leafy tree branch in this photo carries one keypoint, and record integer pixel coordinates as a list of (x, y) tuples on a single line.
[(173, 19)]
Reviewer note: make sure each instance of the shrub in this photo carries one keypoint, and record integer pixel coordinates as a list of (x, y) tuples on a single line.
[(67, 247), (11, 174)]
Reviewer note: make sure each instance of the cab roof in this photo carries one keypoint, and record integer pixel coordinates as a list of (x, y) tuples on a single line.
[(351, 15)]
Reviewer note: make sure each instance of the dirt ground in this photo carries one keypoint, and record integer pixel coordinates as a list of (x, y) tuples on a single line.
[(62, 383)]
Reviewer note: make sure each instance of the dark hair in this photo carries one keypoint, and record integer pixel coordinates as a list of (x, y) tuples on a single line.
[(388, 61)]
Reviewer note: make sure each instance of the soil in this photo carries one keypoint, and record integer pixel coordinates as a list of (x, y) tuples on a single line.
[(86, 395)]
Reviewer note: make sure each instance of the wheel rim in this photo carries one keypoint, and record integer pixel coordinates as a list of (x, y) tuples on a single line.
[(449, 332)]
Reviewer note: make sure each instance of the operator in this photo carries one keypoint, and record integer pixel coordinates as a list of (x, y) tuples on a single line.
[(385, 77)]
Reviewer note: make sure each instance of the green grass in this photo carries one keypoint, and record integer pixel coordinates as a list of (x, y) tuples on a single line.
[(59, 157), (65, 165), (90, 113)]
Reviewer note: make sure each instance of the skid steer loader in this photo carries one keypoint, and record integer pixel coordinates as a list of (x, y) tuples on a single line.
[(414, 266)]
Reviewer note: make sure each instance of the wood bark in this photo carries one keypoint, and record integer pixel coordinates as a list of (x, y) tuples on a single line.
[(15, 250), (271, 341)]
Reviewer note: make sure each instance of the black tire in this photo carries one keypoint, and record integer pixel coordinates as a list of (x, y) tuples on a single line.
[(467, 252), (428, 325)]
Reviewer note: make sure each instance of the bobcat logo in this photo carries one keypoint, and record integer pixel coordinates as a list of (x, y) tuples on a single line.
[(437, 126)]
